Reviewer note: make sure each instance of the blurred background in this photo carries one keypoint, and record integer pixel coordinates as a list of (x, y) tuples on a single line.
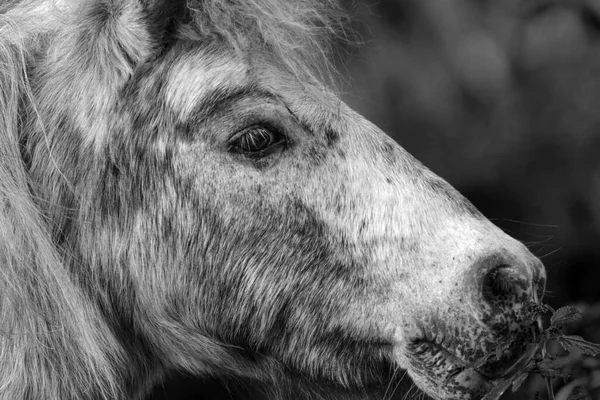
[(502, 99)]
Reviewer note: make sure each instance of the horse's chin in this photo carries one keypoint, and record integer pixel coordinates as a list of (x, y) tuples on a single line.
[(444, 375)]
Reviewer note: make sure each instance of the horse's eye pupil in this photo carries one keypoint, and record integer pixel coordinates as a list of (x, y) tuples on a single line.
[(255, 140)]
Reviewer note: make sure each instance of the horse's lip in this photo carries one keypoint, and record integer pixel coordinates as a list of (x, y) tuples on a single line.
[(486, 380), (496, 369), (423, 346)]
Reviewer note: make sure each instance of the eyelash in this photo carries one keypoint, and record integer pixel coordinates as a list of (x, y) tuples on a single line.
[(257, 141)]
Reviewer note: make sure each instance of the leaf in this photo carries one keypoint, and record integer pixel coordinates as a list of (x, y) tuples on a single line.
[(577, 342), (564, 315), (518, 381)]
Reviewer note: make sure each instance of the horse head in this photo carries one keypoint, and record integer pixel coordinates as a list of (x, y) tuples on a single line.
[(217, 209)]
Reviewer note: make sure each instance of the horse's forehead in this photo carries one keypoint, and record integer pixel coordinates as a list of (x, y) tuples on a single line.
[(313, 104), (193, 76)]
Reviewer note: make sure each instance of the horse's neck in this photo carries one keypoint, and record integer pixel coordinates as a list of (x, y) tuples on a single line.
[(53, 352)]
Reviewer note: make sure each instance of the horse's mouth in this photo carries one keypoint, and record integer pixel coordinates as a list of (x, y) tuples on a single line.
[(473, 380), (509, 363)]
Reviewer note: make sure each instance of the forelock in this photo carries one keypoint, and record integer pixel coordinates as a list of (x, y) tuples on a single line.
[(297, 34)]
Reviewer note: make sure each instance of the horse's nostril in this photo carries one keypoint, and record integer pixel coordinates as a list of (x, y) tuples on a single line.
[(497, 282), (505, 283)]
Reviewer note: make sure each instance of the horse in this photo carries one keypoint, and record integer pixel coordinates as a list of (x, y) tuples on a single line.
[(182, 189)]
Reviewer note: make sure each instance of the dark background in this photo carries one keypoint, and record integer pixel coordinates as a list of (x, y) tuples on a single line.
[(502, 99)]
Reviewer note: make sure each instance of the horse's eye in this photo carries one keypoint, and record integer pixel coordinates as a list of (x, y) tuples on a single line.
[(257, 141)]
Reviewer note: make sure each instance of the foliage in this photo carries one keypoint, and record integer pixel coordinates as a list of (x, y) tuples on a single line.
[(577, 365)]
